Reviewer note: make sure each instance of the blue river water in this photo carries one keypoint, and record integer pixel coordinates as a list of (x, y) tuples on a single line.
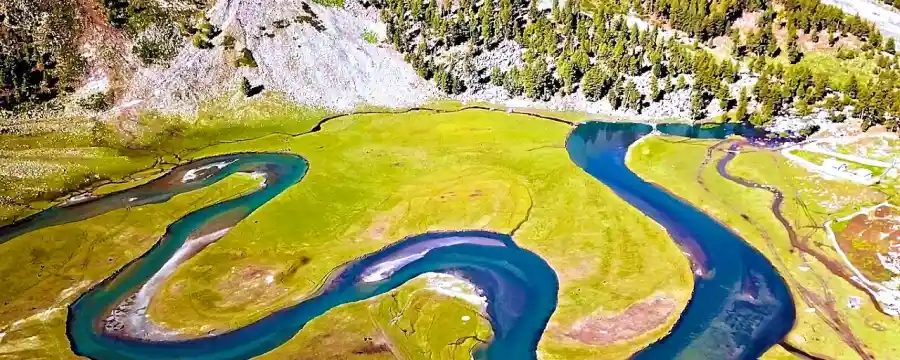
[(740, 307)]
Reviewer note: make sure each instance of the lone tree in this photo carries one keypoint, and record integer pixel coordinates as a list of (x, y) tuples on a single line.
[(245, 87)]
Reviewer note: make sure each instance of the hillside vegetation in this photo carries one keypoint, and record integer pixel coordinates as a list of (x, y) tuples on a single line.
[(599, 51)]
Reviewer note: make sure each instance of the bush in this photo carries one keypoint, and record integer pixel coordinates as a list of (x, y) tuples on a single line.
[(370, 37), (809, 130), (95, 102), (156, 48), (245, 59), (201, 41), (838, 117), (332, 3), (228, 42)]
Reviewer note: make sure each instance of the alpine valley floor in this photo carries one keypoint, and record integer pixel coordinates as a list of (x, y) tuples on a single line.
[(375, 179)]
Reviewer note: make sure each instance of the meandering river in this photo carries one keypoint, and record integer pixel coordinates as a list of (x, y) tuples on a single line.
[(740, 307)]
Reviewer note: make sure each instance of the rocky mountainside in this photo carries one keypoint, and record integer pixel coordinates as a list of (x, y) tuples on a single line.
[(90, 57), (316, 55)]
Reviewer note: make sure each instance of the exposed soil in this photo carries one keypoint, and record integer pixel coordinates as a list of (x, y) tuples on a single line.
[(865, 236), (106, 49), (248, 283), (636, 320)]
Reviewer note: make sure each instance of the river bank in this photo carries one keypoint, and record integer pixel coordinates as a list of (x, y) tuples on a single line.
[(820, 289)]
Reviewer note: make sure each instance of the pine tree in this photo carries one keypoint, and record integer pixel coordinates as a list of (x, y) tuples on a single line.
[(497, 76), (723, 96), (593, 84), (740, 114), (487, 13), (656, 65), (771, 44), (632, 97), (852, 88), (793, 49), (581, 60), (737, 49), (655, 92), (246, 89), (512, 83), (890, 46), (566, 72), (505, 19), (533, 11), (615, 95), (698, 109)]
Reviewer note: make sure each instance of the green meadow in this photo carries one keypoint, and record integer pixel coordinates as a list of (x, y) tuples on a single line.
[(373, 180)]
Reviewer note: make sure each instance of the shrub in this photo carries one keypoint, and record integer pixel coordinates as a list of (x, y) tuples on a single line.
[(245, 59), (95, 102), (228, 42), (332, 3), (156, 48), (370, 37)]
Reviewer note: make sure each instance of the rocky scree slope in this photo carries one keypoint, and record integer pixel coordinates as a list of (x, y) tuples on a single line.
[(315, 55)]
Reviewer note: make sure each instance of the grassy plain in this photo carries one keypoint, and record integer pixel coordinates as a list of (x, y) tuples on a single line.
[(373, 180), (809, 202)]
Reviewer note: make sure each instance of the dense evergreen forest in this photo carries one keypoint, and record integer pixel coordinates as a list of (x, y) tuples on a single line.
[(589, 46)]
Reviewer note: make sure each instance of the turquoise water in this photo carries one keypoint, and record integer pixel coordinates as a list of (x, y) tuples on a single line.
[(740, 308), (521, 286)]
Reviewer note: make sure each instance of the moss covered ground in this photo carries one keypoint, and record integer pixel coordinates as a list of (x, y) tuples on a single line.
[(809, 202), (373, 180)]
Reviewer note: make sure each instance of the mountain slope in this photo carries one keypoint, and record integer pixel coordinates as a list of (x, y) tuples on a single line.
[(315, 55)]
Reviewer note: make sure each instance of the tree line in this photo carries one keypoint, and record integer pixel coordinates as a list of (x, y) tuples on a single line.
[(568, 49)]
